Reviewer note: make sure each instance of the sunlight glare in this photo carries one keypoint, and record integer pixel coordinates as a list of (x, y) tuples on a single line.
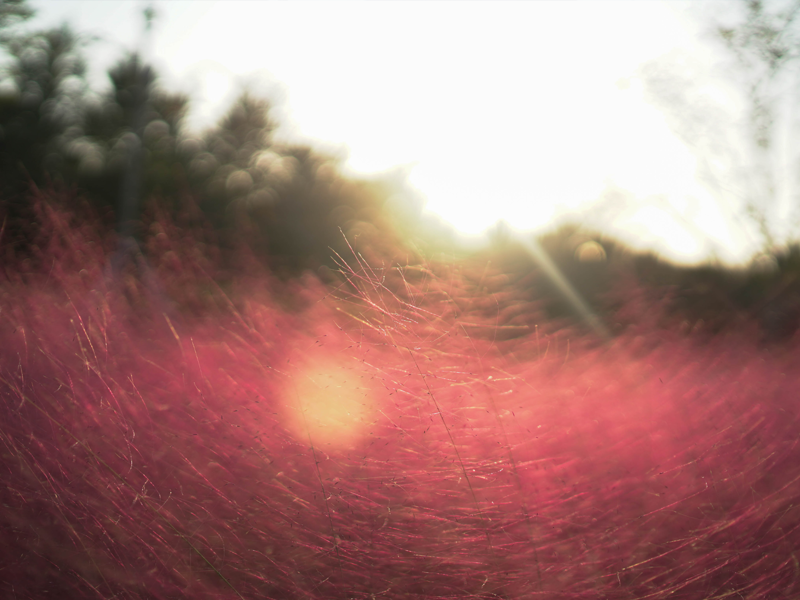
[(682, 243), (525, 112), (326, 403)]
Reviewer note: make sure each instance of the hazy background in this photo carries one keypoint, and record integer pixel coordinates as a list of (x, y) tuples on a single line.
[(633, 115)]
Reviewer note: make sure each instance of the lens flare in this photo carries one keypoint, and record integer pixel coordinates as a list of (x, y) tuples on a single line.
[(327, 402)]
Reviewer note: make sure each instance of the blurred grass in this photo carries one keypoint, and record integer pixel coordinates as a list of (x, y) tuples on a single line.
[(147, 453)]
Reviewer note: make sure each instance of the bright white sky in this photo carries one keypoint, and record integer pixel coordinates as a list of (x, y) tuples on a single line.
[(523, 111)]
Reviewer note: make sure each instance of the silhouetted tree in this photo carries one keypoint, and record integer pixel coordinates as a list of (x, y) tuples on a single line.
[(735, 139), (765, 43), (126, 145), (134, 116), (13, 12), (289, 201), (43, 85), (40, 111)]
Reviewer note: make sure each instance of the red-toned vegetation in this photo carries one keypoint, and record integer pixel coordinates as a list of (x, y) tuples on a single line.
[(418, 431)]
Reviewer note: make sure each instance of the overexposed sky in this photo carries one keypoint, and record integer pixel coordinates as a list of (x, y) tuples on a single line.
[(523, 111)]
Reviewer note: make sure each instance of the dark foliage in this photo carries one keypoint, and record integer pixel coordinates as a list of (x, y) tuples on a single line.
[(127, 146)]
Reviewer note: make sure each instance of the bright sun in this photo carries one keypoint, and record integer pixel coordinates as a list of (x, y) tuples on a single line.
[(527, 112), (524, 112)]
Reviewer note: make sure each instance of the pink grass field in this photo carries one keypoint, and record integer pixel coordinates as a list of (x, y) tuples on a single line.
[(403, 434)]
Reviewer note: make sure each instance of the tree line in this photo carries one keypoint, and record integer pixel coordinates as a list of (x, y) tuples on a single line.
[(128, 144)]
